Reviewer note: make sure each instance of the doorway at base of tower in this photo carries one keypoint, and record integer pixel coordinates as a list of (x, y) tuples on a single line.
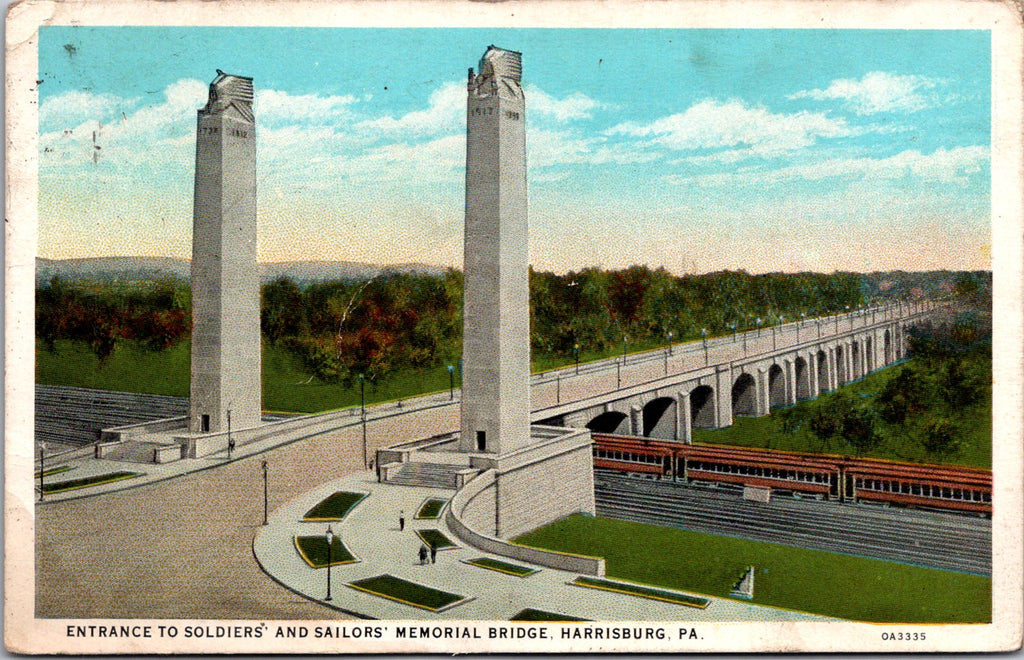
[(481, 440)]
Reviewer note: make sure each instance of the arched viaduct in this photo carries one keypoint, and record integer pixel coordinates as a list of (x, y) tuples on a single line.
[(797, 367)]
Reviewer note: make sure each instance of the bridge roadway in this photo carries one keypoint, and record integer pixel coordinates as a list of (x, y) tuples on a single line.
[(932, 539)]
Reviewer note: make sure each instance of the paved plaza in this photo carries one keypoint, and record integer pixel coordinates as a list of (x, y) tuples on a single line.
[(371, 532)]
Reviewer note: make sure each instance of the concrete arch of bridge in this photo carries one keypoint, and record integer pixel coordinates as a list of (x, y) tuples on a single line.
[(823, 372), (802, 376), (840, 361), (611, 421), (744, 396), (702, 407), (659, 419), (776, 386)]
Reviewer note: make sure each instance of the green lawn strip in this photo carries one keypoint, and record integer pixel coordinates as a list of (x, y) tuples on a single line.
[(86, 482), (409, 593), (335, 507), (56, 470), (530, 614), (313, 549), (641, 591), (435, 539), (431, 508), (814, 581), (502, 566)]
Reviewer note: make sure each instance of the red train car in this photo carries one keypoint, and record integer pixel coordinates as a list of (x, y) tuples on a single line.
[(828, 476)]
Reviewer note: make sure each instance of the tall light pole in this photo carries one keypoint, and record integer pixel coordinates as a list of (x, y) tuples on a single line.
[(231, 442), (850, 316), (576, 352), (42, 467), (668, 340), (759, 322), (330, 542), (362, 412), (265, 498), (625, 340), (803, 319), (704, 338), (451, 382), (732, 326)]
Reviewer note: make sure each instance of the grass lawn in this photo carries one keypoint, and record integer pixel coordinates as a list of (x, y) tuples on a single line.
[(530, 614), (85, 482), (763, 432), (287, 387), (335, 507), (435, 539), (56, 470), (502, 566), (796, 578), (431, 508), (642, 591), (409, 593), (313, 549)]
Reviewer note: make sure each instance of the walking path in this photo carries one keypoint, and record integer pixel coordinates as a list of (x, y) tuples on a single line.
[(370, 531)]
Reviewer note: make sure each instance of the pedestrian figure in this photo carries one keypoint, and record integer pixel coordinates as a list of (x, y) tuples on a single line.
[(423, 554), (401, 521), (433, 554)]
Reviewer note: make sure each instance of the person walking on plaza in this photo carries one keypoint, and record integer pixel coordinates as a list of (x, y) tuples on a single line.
[(433, 554), (401, 521), (423, 554)]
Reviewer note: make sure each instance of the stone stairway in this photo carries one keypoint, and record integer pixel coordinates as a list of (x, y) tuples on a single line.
[(430, 475)]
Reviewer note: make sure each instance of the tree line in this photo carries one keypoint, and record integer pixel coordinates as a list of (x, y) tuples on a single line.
[(398, 321)]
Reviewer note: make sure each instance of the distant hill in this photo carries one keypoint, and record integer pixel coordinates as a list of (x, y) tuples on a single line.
[(150, 268)]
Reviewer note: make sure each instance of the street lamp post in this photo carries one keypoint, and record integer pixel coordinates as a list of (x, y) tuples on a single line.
[(732, 326), (803, 319), (451, 383), (704, 338), (42, 467), (231, 442), (850, 316), (265, 499), (625, 340), (759, 322), (618, 375), (330, 542), (362, 412), (576, 352), (668, 340)]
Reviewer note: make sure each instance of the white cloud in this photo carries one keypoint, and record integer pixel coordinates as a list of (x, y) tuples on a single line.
[(73, 108), (573, 106), (274, 107), (711, 124), (445, 112), (944, 166), (876, 92)]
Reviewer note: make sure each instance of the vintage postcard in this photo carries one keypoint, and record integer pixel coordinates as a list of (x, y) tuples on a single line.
[(366, 327)]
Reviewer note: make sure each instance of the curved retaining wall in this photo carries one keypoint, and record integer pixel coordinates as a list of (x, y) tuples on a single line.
[(476, 499)]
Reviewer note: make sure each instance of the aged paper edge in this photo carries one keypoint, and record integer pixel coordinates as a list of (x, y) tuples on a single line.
[(29, 635)]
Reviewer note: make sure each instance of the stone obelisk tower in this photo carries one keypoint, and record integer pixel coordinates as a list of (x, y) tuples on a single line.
[(496, 330), (226, 357)]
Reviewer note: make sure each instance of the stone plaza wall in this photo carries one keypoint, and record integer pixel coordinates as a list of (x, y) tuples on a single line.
[(472, 508)]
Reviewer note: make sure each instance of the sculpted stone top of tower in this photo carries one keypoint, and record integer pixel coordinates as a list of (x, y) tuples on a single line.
[(501, 72), (228, 90)]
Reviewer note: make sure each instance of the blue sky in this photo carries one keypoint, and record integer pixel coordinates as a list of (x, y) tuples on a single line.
[(696, 150)]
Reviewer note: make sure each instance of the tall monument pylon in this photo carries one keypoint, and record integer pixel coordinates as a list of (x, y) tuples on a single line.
[(226, 359), (496, 310)]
